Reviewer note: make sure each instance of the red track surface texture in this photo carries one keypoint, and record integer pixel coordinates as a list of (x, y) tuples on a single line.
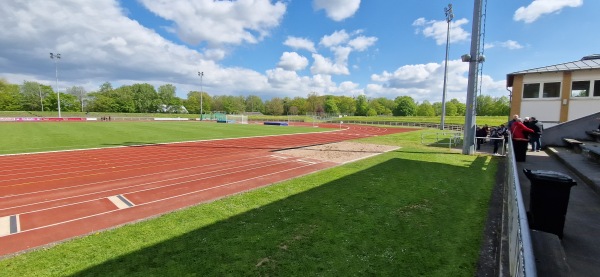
[(50, 197)]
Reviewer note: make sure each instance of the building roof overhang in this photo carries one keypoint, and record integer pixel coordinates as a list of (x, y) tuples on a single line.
[(586, 63)]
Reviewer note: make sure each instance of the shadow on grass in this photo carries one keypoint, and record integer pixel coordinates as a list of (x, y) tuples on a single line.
[(398, 217)]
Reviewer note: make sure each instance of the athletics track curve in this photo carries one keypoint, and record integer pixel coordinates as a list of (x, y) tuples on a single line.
[(50, 197)]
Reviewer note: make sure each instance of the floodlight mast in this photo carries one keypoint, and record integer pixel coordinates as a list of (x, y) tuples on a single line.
[(201, 74), (41, 99), (56, 57), (470, 118), (449, 17)]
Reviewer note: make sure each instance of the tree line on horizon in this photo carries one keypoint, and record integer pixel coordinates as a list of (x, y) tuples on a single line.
[(145, 98)]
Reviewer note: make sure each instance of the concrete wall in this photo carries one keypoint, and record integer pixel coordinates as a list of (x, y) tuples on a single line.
[(574, 129)]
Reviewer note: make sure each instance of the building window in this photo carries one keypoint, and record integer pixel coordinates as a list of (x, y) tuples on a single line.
[(580, 89), (551, 90), (597, 88), (531, 90)]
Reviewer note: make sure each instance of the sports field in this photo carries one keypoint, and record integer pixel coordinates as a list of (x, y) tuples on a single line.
[(19, 137), (49, 197), (396, 213)]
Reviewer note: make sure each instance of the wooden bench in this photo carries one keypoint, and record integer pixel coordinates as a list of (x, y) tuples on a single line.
[(573, 143)]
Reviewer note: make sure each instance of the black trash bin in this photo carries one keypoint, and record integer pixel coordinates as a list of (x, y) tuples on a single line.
[(548, 200)]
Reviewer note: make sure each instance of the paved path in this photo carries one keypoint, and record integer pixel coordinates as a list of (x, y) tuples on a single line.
[(581, 242)]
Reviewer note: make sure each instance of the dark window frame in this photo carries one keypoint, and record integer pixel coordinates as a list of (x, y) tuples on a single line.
[(581, 86), (526, 91), (555, 90)]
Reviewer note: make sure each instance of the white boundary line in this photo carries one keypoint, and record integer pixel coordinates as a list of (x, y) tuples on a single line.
[(162, 199), (228, 170)]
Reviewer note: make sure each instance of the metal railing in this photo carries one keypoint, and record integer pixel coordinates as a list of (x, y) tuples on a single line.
[(448, 127), (521, 260), (449, 138), (501, 142)]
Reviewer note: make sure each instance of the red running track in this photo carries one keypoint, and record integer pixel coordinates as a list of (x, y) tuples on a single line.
[(50, 197)]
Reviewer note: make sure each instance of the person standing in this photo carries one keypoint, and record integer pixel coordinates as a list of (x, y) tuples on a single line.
[(535, 138), (510, 123), (498, 136), (480, 137), (519, 139)]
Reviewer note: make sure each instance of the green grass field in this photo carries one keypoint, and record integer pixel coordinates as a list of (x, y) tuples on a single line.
[(48, 136), (416, 211), (455, 120)]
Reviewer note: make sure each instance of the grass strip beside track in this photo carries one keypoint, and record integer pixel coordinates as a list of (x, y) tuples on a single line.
[(27, 137), (417, 211)]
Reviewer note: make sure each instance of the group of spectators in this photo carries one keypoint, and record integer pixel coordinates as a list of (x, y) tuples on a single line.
[(497, 135), (525, 131)]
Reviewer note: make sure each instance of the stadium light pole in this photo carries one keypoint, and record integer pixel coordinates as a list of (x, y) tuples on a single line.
[(41, 99), (56, 57), (201, 74), (473, 59), (449, 17)]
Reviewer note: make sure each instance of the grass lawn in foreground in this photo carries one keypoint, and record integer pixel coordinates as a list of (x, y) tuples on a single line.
[(416, 211), (23, 137)]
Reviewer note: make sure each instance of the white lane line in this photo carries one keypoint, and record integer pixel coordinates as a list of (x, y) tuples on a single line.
[(121, 167), (228, 171), (165, 199), (127, 178)]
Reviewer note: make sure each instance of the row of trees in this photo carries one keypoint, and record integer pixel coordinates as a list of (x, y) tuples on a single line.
[(144, 98)]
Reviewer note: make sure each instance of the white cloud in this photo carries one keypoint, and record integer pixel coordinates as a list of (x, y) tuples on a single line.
[(99, 43), (335, 39), (337, 10), (361, 43), (219, 22), (341, 55), (292, 61), (538, 8), (425, 82), (322, 65), (281, 78), (300, 43), (509, 44), (341, 44), (438, 30)]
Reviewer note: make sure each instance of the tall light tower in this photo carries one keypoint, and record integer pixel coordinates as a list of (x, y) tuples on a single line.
[(41, 99), (473, 59), (56, 57), (201, 74), (449, 17)]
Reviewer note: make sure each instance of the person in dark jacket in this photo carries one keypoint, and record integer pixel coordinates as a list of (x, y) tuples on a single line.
[(520, 134), (480, 135), (497, 135), (535, 138), (510, 123)]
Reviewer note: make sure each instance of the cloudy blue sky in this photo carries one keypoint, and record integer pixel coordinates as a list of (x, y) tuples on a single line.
[(279, 48)]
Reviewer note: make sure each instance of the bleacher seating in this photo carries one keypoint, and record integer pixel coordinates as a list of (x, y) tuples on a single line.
[(574, 144), (595, 135)]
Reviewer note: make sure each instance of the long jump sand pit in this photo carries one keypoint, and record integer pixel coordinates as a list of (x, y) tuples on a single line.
[(339, 152)]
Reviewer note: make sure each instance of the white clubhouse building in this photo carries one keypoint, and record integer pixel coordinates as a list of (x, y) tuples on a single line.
[(557, 93)]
